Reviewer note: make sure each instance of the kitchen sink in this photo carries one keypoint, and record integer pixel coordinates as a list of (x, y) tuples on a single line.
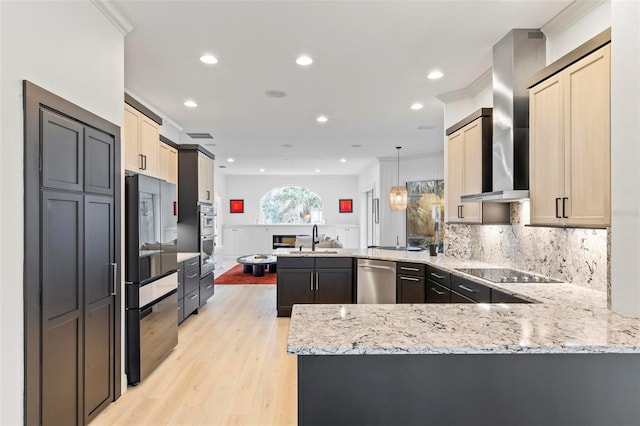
[(399, 248)]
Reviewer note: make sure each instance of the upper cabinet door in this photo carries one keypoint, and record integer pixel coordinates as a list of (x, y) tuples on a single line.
[(472, 171), (587, 140), (546, 151), (168, 163), (132, 159), (99, 161), (205, 178), (455, 167), (62, 152), (149, 146)]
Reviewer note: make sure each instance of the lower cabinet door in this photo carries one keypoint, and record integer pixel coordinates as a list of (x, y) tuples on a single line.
[(191, 302), (180, 310), (294, 286), (458, 298), (206, 288), (334, 286), (412, 289), (435, 293)]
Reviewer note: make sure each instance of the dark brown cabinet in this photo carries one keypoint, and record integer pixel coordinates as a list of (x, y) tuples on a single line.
[(313, 280), (206, 288), (410, 282), (470, 289), (188, 287), (435, 293)]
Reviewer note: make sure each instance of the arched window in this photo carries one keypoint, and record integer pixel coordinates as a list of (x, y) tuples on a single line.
[(290, 204)]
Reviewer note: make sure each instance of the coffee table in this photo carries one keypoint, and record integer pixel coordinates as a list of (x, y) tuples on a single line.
[(255, 263)]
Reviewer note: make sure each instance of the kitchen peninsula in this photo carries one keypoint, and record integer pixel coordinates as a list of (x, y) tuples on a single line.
[(565, 359)]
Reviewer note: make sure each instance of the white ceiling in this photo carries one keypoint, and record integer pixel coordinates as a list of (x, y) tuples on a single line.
[(370, 64)]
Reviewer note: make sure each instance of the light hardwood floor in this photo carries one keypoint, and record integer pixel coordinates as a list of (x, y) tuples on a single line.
[(230, 368)]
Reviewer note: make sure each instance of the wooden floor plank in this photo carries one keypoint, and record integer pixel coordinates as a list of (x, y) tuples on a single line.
[(230, 368)]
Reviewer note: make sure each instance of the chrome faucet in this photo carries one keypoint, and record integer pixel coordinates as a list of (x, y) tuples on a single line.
[(314, 238)]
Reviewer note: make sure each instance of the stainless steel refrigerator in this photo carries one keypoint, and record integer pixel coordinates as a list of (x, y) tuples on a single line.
[(150, 273)]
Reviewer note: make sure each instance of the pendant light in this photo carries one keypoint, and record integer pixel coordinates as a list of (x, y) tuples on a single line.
[(398, 194)]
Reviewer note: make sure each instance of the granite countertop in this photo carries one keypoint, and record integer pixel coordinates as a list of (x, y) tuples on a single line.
[(186, 255), (566, 318)]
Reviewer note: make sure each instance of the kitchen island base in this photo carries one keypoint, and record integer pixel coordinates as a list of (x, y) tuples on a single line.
[(469, 389)]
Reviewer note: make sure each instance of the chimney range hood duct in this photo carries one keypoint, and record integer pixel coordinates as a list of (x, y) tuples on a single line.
[(519, 55)]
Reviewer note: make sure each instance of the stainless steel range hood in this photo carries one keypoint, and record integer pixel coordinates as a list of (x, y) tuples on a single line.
[(519, 55)]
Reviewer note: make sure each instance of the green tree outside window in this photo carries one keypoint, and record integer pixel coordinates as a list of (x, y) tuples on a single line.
[(290, 204)]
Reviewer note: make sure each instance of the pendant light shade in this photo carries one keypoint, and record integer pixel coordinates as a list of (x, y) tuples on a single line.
[(398, 194)]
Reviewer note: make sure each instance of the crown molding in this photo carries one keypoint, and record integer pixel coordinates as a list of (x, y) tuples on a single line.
[(480, 83), (571, 14), (114, 14)]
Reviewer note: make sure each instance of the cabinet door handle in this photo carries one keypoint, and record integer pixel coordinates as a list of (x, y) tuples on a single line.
[(557, 208), (114, 278), (311, 280), (208, 195), (564, 207), (141, 161), (433, 274), (191, 276), (209, 286), (405, 268), (144, 161), (439, 293), (410, 279), (317, 279), (466, 288), (193, 297)]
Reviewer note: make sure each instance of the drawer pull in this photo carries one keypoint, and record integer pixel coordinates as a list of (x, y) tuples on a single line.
[(440, 277), (404, 268), (191, 276), (193, 297), (466, 288), (193, 263), (439, 293), (209, 286), (410, 279), (179, 307)]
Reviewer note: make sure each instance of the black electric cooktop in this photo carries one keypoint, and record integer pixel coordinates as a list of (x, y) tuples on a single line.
[(504, 275)]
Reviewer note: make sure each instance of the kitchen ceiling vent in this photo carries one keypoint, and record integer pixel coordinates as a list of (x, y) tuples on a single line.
[(275, 93), (200, 135)]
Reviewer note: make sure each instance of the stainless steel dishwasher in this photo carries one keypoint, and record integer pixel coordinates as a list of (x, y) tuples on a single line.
[(376, 281)]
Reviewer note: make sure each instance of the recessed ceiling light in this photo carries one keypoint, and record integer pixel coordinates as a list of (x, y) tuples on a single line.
[(317, 170), (434, 75), (304, 60), (208, 59), (343, 160), (274, 93), (262, 170), (230, 160), (191, 104), (416, 106), (322, 119)]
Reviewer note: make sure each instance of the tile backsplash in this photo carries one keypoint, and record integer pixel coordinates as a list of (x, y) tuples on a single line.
[(574, 255)]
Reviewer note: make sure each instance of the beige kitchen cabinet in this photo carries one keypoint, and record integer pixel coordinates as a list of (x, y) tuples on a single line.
[(142, 143), (168, 163), (464, 173), (205, 178), (570, 145)]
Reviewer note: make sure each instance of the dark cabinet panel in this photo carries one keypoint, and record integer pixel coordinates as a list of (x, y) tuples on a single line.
[(334, 286), (435, 293), (180, 280), (296, 262), (98, 356), (62, 265), (206, 288), (98, 246), (294, 286), (458, 298), (61, 375), (498, 296), (191, 302), (408, 268), (62, 152), (471, 289), (438, 275), (98, 162), (191, 280), (411, 289)]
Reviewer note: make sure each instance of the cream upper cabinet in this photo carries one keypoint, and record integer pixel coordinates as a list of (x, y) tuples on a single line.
[(464, 173), (142, 143), (570, 145), (205, 178), (168, 163)]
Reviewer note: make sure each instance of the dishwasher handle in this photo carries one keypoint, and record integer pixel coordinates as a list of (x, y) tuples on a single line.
[(377, 267)]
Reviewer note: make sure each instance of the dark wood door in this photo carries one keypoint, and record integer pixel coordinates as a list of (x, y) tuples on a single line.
[(294, 286), (334, 286), (412, 289), (79, 271), (100, 276), (61, 309), (435, 293)]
